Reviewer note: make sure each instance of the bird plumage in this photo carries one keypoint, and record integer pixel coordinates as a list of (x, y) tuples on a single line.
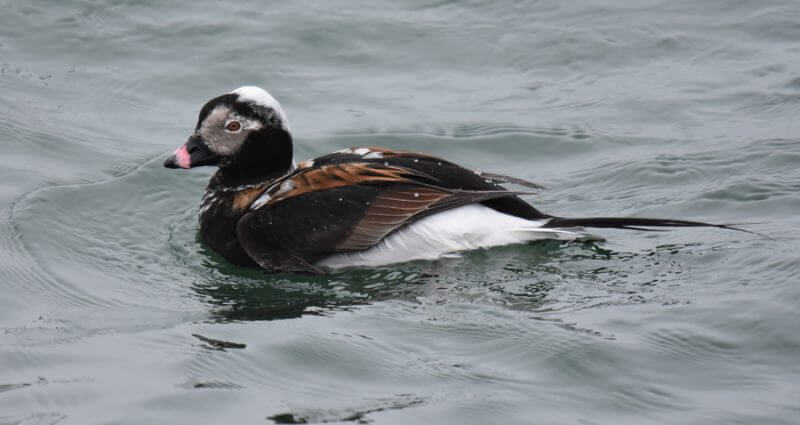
[(358, 206)]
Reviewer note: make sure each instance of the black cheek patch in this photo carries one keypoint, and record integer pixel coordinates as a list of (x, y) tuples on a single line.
[(225, 99)]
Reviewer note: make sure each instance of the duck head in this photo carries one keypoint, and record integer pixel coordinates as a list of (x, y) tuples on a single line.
[(244, 131)]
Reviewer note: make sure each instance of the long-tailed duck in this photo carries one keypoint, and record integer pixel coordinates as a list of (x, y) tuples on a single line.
[(357, 206)]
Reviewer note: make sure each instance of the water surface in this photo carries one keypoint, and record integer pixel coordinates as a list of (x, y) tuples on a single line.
[(113, 312)]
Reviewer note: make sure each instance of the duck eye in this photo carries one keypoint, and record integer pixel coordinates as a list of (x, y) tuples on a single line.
[(233, 126)]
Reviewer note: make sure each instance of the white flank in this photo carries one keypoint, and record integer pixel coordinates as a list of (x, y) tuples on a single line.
[(261, 97), (469, 227)]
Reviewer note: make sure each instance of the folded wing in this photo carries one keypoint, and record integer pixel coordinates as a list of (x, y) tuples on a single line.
[(343, 206)]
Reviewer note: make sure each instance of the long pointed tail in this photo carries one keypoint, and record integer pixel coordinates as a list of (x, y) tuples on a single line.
[(634, 223)]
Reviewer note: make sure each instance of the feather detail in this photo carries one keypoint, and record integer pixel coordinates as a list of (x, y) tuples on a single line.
[(244, 199), (332, 176), (388, 211), (499, 179), (398, 206)]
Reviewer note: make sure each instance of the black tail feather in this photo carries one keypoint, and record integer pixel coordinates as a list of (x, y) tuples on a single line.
[(633, 223)]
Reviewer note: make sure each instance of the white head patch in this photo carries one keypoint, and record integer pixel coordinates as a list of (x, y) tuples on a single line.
[(261, 97)]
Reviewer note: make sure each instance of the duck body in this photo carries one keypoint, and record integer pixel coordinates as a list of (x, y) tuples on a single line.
[(359, 206), (363, 206)]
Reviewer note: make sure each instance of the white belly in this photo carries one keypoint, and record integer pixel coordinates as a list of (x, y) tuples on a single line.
[(469, 227)]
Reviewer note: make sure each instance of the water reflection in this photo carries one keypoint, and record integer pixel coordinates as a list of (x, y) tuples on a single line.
[(238, 293), (543, 277), (245, 294)]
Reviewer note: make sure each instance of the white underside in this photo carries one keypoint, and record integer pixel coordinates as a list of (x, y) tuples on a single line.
[(464, 228)]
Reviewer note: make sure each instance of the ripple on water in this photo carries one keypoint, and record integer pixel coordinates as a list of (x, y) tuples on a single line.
[(703, 185), (106, 229), (472, 139), (87, 238), (36, 418), (670, 115), (502, 310), (692, 344)]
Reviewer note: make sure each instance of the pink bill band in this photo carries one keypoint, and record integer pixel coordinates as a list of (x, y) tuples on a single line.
[(182, 157)]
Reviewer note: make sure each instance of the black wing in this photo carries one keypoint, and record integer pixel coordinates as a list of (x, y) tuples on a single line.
[(448, 175), (343, 203)]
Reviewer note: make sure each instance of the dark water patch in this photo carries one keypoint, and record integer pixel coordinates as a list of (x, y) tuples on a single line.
[(516, 277), (10, 387), (358, 415), (213, 385), (794, 83), (216, 344)]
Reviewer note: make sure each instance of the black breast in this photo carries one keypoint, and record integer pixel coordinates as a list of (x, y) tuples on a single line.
[(218, 219)]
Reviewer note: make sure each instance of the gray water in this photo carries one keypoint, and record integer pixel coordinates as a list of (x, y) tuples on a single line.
[(112, 312)]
